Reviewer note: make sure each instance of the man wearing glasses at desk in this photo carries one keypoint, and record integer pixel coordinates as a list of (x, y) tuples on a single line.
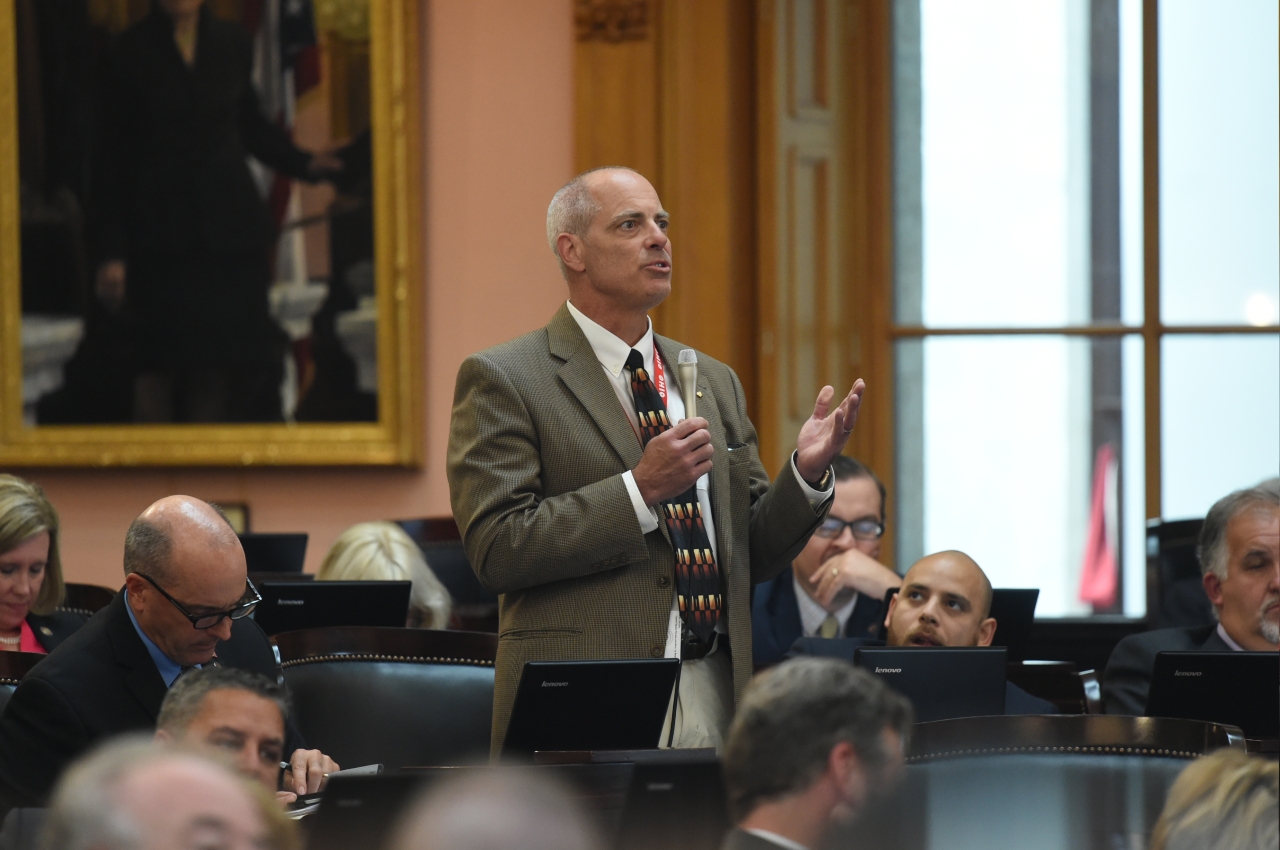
[(185, 604), (836, 585)]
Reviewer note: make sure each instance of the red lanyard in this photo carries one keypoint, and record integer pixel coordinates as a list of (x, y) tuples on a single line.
[(659, 376)]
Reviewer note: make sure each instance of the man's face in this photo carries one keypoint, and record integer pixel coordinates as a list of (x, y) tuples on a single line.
[(626, 255), (855, 499), (244, 727), (204, 577), (186, 805), (1248, 602), (940, 604)]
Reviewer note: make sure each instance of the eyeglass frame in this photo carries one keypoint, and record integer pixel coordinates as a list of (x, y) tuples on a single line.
[(818, 532), (239, 612)]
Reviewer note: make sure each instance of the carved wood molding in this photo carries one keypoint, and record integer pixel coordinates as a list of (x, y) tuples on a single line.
[(612, 20)]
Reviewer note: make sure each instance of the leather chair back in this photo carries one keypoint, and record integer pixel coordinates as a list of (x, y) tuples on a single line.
[(86, 599), (13, 666), (397, 697)]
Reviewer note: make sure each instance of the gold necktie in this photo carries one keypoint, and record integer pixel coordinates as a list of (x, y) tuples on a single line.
[(830, 627)]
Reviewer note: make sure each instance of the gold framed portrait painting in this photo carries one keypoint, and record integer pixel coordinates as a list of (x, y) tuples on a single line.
[(210, 230)]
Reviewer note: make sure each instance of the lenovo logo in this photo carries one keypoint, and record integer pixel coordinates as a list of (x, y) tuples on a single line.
[(1186, 672), (555, 684), (888, 669), (290, 602)]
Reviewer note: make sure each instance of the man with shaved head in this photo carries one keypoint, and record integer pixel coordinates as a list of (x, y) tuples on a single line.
[(613, 524), (185, 604)]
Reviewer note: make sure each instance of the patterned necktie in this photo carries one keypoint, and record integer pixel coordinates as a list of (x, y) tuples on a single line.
[(697, 576)]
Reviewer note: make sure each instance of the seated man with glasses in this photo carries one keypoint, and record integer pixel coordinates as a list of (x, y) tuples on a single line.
[(835, 586), (185, 605)]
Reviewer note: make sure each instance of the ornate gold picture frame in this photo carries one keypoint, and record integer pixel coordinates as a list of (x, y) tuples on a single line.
[(395, 438)]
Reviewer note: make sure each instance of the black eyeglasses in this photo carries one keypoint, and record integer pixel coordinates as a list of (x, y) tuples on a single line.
[(863, 529), (208, 621)]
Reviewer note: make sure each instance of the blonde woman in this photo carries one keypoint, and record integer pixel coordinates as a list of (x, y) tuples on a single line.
[(31, 585), (1227, 800), (381, 551)]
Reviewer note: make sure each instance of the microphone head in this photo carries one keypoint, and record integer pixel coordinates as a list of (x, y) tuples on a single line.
[(687, 356)]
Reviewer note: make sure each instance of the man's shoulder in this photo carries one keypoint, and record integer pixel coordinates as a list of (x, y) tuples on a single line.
[(515, 351), (1163, 640), (83, 663)]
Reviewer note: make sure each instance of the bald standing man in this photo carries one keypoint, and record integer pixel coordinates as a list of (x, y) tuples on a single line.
[(185, 604), (576, 477)]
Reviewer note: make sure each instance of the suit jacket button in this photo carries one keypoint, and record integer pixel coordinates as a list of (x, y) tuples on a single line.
[(656, 651), (663, 581)]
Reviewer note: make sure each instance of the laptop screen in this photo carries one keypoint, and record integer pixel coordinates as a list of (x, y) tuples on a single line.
[(941, 682), (590, 705), (290, 605), (1236, 688)]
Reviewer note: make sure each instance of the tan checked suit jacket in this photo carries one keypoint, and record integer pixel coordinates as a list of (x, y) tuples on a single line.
[(537, 445)]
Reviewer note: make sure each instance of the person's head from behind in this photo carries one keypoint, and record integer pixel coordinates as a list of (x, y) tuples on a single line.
[(856, 519), (186, 577), (495, 809), (1227, 800), (228, 714), (131, 794), (382, 551), (1240, 564), (812, 735), (608, 231), (30, 567), (945, 600)]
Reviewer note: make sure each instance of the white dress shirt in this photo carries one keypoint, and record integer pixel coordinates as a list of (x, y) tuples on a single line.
[(812, 614), (1226, 638), (612, 352), (776, 839)]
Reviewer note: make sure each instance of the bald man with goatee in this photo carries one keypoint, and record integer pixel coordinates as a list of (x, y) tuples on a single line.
[(185, 604)]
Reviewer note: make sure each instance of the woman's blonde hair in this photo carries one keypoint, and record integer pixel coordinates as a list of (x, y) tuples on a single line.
[(381, 551), (1228, 800), (24, 513)]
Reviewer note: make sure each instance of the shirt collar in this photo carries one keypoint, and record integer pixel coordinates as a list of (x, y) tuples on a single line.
[(775, 838), (1226, 638), (168, 668), (610, 350)]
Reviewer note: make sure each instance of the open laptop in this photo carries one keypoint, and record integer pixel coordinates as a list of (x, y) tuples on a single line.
[(941, 682), (361, 811), (1236, 688), (1014, 610), (590, 705), (290, 605), (674, 805), (274, 553)]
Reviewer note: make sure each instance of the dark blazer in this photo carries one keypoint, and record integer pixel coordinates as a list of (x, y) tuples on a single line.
[(537, 446), (775, 619), (1128, 675), (99, 682), (52, 629), (739, 839), (1016, 700)]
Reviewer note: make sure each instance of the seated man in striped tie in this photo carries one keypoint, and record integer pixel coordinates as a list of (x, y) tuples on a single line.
[(835, 587), (185, 604)]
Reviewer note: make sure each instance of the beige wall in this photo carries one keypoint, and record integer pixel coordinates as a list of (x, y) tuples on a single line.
[(498, 90)]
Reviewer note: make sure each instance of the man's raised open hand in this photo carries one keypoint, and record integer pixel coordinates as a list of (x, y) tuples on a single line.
[(825, 433)]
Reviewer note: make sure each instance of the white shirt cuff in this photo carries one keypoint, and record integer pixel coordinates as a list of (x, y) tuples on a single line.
[(645, 515), (816, 497)]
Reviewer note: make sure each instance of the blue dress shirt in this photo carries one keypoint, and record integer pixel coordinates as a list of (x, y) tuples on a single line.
[(169, 669)]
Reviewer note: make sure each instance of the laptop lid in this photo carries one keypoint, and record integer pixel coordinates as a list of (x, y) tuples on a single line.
[(1014, 610), (360, 811), (674, 805), (590, 705), (941, 682), (274, 553), (291, 605), (1236, 688)]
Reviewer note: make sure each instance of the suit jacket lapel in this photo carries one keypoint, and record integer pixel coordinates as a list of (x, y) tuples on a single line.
[(142, 679), (719, 482)]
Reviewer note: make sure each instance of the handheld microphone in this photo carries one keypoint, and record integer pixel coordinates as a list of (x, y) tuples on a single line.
[(688, 369)]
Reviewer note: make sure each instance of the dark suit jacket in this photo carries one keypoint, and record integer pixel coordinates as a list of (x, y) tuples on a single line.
[(52, 629), (537, 446), (775, 619), (739, 839), (1128, 674), (1016, 700), (100, 682)]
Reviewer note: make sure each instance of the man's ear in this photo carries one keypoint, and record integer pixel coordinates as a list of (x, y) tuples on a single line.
[(893, 603), (138, 589), (1213, 588), (845, 769), (986, 631), (572, 251)]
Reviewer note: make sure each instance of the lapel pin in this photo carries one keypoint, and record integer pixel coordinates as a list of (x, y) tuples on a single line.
[(46, 631), (698, 393)]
